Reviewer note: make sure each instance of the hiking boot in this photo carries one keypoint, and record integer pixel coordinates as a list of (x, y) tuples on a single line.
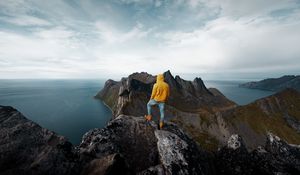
[(148, 117), (161, 124)]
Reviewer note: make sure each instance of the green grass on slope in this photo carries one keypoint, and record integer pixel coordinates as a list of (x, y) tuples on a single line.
[(273, 121), (202, 138)]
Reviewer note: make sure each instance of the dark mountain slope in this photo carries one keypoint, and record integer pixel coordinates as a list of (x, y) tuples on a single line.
[(206, 114), (278, 113), (275, 84)]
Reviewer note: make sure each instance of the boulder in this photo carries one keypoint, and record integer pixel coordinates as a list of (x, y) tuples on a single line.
[(27, 148)]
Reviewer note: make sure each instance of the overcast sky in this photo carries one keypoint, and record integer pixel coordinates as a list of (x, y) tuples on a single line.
[(213, 39)]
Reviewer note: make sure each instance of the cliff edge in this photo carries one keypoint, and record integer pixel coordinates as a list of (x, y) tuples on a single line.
[(130, 145)]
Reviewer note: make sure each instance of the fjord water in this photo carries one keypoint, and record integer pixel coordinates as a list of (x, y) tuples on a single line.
[(64, 106), (68, 107), (240, 95)]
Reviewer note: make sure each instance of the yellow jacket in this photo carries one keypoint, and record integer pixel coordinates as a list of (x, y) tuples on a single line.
[(160, 91)]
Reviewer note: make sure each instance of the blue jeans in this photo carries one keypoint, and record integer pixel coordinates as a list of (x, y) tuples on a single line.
[(161, 106)]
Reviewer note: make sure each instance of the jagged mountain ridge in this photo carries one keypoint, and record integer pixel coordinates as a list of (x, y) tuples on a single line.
[(130, 145), (275, 84), (278, 113), (130, 95), (127, 145), (206, 114), (27, 148)]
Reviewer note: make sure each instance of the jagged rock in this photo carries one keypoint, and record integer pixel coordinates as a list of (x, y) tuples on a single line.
[(108, 165), (155, 170), (279, 156), (206, 114), (235, 142), (144, 147), (276, 157), (27, 148), (173, 154), (130, 136), (188, 100), (130, 145), (234, 158), (130, 95)]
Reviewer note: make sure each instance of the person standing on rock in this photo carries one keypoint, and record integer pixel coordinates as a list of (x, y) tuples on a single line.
[(159, 95)]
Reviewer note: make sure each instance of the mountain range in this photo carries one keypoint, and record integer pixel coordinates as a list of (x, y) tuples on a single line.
[(275, 84), (205, 133), (206, 114)]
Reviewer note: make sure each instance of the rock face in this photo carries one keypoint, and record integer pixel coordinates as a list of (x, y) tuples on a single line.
[(188, 101), (130, 145), (275, 84), (108, 165), (276, 157), (206, 114), (127, 145), (130, 95), (26, 148), (146, 149), (253, 121)]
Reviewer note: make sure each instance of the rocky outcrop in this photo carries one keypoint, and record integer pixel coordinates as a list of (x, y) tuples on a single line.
[(27, 148), (127, 145), (130, 95), (275, 84), (278, 113), (276, 157), (188, 102), (129, 136), (108, 165), (130, 145), (206, 114), (146, 149)]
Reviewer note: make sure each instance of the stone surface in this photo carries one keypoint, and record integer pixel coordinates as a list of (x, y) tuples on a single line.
[(130, 136), (108, 165), (206, 114), (130, 145), (130, 95), (27, 148), (275, 157), (144, 147), (174, 154), (188, 100)]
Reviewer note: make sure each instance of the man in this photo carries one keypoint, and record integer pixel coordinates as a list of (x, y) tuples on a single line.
[(159, 95)]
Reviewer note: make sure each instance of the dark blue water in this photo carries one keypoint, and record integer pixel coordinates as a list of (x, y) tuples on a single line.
[(64, 106), (237, 94)]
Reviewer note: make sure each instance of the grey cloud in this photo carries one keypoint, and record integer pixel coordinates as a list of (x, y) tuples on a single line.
[(187, 36)]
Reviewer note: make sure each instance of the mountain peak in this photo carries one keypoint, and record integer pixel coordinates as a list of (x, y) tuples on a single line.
[(184, 95)]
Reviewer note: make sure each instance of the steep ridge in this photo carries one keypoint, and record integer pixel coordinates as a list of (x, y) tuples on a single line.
[(130, 145), (206, 114), (130, 95), (275, 84), (278, 113), (275, 157), (190, 105), (27, 148), (127, 145), (146, 149)]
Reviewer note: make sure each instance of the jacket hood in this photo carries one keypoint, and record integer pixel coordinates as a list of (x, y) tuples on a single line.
[(159, 78)]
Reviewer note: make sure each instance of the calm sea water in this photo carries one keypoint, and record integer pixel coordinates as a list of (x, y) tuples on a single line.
[(237, 94), (68, 107), (64, 106)]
